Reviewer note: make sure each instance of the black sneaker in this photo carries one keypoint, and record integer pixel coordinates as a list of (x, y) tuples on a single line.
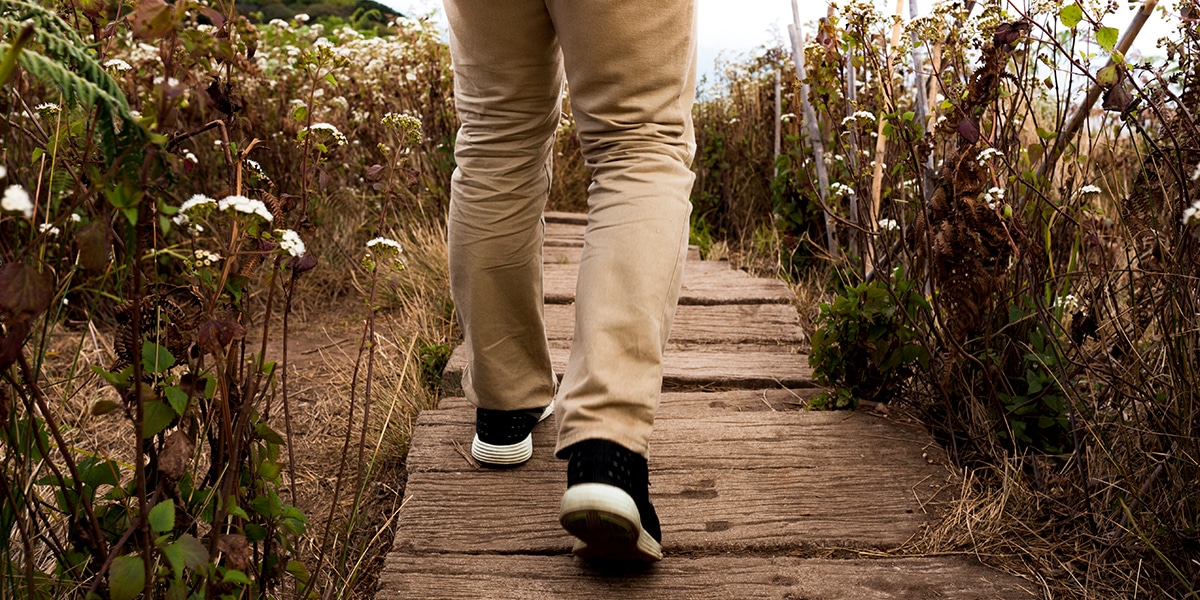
[(607, 503), (502, 437)]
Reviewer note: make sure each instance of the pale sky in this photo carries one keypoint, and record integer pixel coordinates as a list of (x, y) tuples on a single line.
[(736, 27)]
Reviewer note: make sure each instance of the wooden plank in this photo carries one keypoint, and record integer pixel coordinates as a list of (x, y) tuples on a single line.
[(722, 323), (704, 282), (674, 405), (571, 254), (563, 235), (469, 577), (719, 366), (566, 218), (780, 481), (731, 439)]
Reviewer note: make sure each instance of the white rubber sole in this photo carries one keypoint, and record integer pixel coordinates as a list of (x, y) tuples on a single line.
[(509, 454), (607, 524)]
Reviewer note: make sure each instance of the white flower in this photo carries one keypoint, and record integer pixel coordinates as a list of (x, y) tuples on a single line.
[(204, 258), (787, 117), (839, 189), (993, 197), (3, 172), (1190, 214), (290, 241), (278, 23), (986, 154), (302, 17), (337, 137), (1088, 190), (16, 199), (888, 225), (48, 227), (859, 115), (1068, 303), (75, 218), (189, 157), (181, 217), (117, 65), (246, 205), (1195, 174), (388, 242)]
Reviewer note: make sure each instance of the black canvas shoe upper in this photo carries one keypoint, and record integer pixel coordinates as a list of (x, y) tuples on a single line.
[(602, 461), (505, 427)]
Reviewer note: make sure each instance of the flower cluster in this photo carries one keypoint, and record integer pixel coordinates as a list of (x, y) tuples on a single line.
[(408, 126), (888, 225), (993, 197), (840, 190), (324, 135), (16, 199), (1069, 303), (243, 204), (861, 115), (1191, 214), (986, 154), (383, 250), (290, 242)]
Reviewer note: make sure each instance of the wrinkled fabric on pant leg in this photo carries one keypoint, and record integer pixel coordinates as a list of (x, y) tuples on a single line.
[(631, 72)]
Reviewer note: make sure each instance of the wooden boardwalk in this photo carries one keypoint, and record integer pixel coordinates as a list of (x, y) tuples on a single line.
[(758, 498)]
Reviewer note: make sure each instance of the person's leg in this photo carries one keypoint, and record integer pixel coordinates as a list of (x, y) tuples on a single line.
[(631, 71), (508, 86)]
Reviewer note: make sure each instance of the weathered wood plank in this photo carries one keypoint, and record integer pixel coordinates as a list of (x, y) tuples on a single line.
[(727, 439), (469, 577), (723, 323), (720, 366), (674, 405), (728, 482), (563, 235), (566, 218), (704, 282), (562, 255)]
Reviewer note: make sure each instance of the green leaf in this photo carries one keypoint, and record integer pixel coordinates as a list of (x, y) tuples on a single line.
[(1107, 37), (235, 576), (117, 380), (103, 407), (155, 358), (1107, 76), (162, 516), (195, 555), (177, 398), (298, 570), (126, 577), (331, 79), (1070, 15), (156, 417), (265, 432), (175, 556)]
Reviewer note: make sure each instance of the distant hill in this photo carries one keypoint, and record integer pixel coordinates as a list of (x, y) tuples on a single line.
[(346, 10)]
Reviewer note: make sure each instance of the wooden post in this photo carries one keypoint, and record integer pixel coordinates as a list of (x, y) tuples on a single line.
[(778, 119), (1067, 135), (814, 130), (918, 57)]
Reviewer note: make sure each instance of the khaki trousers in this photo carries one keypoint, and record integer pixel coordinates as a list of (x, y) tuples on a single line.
[(631, 69)]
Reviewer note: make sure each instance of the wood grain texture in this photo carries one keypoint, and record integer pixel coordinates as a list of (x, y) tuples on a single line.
[(725, 323), (565, 218), (572, 253), (691, 366), (704, 282), (470, 577), (721, 481)]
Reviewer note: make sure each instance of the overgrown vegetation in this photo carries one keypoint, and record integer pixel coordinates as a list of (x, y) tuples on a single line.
[(180, 180), (171, 174), (1029, 288)]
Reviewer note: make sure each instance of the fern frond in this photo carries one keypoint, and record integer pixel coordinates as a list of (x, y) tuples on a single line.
[(44, 19)]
